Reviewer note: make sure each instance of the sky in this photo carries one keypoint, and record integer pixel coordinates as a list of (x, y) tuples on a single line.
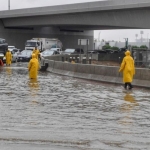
[(116, 35)]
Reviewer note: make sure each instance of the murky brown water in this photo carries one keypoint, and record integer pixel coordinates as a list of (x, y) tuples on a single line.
[(63, 113)]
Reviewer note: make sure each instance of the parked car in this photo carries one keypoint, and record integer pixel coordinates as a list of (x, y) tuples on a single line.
[(114, 51), (16, 50), (101, 51), (59, 50), (70, 51), (122, 50), (24, 56), (92, 52), (48, 52)]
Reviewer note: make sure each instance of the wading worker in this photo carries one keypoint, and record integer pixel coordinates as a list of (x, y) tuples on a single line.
[(8, 56), (36, 52), (127, 66), (33, 67)]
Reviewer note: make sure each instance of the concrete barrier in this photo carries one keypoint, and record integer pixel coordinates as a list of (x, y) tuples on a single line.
[(101, 73), (70, 67), (85, 68)]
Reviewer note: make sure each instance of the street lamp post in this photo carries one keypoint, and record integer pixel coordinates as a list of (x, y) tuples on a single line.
[(8, 4), (136, 35), (147, 36), (126, 42), (99, 36), (141, 32)]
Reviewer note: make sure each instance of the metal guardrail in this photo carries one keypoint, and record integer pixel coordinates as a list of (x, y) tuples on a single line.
[(141, 57)]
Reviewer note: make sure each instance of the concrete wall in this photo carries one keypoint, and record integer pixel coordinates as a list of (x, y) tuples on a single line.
[(18, 37), (98, 73)]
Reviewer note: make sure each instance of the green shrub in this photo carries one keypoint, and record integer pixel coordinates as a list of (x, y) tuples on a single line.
[(106, 47), (114, 48), (134, 46), (143, 46)]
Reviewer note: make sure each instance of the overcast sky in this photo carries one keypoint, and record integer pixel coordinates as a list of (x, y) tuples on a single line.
[(117, 35)]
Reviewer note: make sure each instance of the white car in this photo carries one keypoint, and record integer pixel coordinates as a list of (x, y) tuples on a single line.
[(48, 52), (59, 50)]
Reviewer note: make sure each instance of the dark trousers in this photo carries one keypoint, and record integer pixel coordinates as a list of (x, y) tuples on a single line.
[(128, 84)]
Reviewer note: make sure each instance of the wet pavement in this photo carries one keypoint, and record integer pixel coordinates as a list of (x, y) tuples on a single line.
[(63, 113)]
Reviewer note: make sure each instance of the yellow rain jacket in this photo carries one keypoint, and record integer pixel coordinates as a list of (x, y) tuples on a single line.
[(8, 57), (33, 67), (37, 53), (127, 66)]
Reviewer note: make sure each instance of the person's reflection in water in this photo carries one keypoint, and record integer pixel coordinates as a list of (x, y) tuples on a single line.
[(127, 108), (34, 103), (129, 98), (34, 88), (6, 79), (8, 71)]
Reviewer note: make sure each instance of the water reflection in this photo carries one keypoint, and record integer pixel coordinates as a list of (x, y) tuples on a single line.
[(129, 98), (8, 71), (69, 114), (34, 88), (128, 108)]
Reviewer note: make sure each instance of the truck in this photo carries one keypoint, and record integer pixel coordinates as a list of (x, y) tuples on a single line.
[(3, 49), (43, 43)]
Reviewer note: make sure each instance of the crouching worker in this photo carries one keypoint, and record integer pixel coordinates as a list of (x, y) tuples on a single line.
[(127, 66), (8, 58), (33, 67)]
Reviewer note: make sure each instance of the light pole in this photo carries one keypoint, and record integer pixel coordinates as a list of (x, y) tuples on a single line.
[(136, 35), (99, 36), (141, 32), (126, 43), (8, 4)]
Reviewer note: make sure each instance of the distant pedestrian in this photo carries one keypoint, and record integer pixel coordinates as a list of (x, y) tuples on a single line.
[(8, 58), (127, 66), (36, 52), (33, 67)]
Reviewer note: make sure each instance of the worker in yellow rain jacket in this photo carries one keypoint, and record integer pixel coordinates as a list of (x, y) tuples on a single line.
[(127, 66), (36, 52), (8, 57), (33, 67)]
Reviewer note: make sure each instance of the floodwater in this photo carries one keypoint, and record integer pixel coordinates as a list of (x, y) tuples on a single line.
[(63, 113)]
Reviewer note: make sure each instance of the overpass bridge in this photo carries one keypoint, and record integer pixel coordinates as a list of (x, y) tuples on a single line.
[(73, 21)]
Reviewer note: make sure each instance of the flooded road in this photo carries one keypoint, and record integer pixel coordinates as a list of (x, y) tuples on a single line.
[(63, 113)]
